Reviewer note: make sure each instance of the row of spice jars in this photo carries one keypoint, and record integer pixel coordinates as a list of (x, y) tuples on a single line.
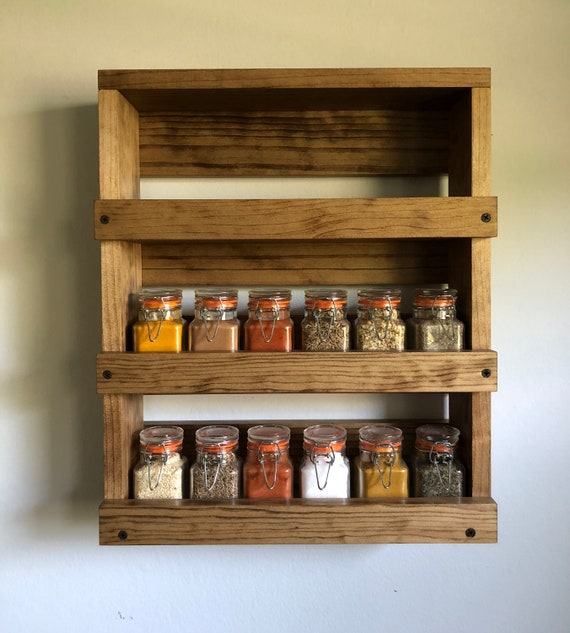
[(218, 474), (325, 327)]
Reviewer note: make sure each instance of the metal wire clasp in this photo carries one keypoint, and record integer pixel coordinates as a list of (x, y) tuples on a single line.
[(275, 312), (389, 461), (219, 312), (327, 457), (268, 456), (388, 319), (148, 460), (445, 456), (219, 460)]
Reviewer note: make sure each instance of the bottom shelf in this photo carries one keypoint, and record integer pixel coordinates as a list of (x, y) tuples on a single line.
[(300, 521)]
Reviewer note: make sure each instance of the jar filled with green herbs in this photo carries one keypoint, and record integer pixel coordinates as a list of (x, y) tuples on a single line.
[(378, 324), (437, 471), (325, 326), (216, 473), (434, 326)]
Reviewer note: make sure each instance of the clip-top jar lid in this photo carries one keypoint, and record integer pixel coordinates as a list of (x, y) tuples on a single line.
[(217, 438), (163, 298), (321, 438), (161, 439)]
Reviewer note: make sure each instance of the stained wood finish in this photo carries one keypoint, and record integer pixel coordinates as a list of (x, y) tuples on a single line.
[(296, 372), (317, 219), (298, 522), (281, 144), (282, 123), (295, 263), (293, 78)]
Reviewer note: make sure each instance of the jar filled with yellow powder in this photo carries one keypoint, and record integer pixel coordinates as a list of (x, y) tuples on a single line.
[(380, 468), (160, 326)]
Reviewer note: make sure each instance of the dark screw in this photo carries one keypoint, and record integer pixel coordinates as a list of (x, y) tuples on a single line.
[(486, 373), (470, 533), (107, 375), (104, 219), (486, 217), (122, 534)]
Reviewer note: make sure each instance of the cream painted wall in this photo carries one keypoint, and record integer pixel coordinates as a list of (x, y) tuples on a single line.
[(53, 575)]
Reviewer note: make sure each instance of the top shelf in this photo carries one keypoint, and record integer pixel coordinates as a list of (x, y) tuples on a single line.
[(289, 88), (295, 122)]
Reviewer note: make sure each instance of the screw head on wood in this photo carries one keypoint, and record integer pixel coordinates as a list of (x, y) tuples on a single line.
[(104, 219), (470, 533), (107, 375), (486, 373), (122, 535), (486, 217)]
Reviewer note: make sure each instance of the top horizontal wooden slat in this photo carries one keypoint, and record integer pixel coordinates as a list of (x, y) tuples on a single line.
[(292, 89), (298, 78)]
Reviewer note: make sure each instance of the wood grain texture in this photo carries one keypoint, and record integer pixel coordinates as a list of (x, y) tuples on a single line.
[(295, 263), (295, 219), (296, 372), (298, 522), (119, 175), (297, 78), (123, 419), (294, 143)]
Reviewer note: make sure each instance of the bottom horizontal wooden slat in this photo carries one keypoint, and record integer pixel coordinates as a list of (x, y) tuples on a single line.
[(300, 521)]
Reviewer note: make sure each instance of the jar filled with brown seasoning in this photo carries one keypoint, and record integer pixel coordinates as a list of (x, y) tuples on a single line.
[(378, 324), (325, 327), (215, 327), (216, 473), (434, 326)]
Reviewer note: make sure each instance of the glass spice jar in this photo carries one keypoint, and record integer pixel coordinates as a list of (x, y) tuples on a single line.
[(160, 326), (268, 472), (269, 327), (380, 469), (434, 326), (161, 470), (325, 327), (437, 472), (215, 327), (325, 469), (378, 324), (216, 473)]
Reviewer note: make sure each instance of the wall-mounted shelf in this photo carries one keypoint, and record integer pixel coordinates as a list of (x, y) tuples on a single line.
[(256, 123)]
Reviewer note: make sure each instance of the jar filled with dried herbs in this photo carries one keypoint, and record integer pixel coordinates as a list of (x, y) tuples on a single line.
[(216, 473), (269, 327), (215, 327), (437, 471), (380, 469), (268, 472), (161, 470), (160, 326), (325, 469), (378, 324), (434, 326), (325, 327)]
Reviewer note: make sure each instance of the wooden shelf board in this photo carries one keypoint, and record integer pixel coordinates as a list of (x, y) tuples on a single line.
[(296, 372), (296, 219), (292, 78), (299, 521)]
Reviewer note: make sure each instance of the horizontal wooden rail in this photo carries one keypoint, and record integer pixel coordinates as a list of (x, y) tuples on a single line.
[(295, 219), (296, 372), (186, 522)]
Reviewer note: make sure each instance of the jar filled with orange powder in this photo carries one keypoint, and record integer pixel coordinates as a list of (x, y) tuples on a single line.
[(269, 327), (160, 326), (268, 471)]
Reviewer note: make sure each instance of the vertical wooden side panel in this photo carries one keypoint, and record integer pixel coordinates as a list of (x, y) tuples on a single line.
[(121, 275), (470, 175)]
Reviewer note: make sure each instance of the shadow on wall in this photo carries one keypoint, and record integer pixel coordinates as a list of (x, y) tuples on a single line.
[(69, 303)]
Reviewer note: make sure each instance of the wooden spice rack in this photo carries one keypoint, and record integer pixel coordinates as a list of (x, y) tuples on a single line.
[(255, 123)]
